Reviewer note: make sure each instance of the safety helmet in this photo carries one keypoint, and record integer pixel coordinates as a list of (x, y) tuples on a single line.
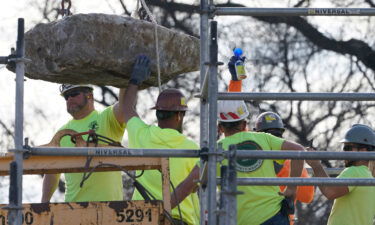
[(171, 99), (231, 111), (268, 120), (360, 134), (66, 87)]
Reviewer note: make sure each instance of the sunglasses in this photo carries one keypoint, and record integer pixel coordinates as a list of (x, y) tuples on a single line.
[(71, 94), (349, 148)]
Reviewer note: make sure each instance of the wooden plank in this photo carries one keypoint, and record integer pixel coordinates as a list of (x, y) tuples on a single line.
[(91, 213), (70, 164)]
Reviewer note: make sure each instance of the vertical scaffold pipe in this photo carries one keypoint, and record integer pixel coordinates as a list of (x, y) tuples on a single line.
[(204, 104), (232, 187), (212, 124), (224, 214), (16, 214)]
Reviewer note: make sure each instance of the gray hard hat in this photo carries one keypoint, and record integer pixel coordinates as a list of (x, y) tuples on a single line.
[(66, 87), (360, 134), (268, 120)]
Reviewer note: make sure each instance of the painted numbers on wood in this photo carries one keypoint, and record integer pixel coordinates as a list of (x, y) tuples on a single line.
[(134, 215), (90, 213)]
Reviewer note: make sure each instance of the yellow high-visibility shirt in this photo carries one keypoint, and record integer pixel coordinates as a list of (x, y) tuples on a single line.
[(358, 206), (146, 136), (101, 186), (258, 203)]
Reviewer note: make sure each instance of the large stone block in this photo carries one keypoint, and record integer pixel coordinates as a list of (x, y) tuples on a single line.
[(101, 49)]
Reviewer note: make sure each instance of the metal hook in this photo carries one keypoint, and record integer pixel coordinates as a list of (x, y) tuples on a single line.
[(66, 12)]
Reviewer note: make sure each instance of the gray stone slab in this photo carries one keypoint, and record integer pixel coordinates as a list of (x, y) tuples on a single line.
[(100, 49)]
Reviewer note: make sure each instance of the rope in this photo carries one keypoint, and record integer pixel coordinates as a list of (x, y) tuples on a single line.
[(144, 5)]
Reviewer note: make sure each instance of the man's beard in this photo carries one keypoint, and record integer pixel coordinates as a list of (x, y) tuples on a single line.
[(78, 107)]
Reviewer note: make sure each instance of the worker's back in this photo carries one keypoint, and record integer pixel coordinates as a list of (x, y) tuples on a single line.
[(145, 136), (258, 203)]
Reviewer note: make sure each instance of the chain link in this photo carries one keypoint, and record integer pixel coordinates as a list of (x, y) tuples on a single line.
[(65, 12)]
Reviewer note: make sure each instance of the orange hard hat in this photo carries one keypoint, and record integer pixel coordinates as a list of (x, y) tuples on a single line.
[(171, 99)]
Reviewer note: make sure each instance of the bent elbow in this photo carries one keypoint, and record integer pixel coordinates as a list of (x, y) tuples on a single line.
[(330, 196)]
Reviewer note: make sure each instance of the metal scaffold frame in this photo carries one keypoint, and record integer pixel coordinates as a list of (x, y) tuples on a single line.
[(210, 152), (209, 92)]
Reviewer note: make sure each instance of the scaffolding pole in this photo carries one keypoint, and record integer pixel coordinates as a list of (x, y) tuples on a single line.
[(110, 152), (212, 99), (269, 154), (306, 181), (191, 153), (15, 187), (228, 206), (244, 11), (204, 104), (296, 96)]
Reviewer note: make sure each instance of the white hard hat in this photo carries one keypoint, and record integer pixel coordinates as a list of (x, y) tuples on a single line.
[(66, 87), (231, 111)]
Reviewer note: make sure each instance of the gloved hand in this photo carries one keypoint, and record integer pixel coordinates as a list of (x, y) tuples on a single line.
[(141, 70), (231, 67)]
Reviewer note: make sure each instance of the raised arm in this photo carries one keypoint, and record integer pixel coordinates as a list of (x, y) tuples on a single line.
[(295, 167), (141, 72), (119, 107), (331, 192)]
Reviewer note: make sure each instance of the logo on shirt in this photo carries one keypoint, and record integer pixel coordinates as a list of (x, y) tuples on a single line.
[(248, 165), (93, 125)]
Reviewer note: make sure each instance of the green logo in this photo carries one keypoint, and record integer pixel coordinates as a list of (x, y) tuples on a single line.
[(93, 125), (248, 165)]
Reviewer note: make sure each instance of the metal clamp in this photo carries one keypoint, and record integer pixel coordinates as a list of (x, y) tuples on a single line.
[(206, 154), (27, 147), (26, 150), (203, 154)]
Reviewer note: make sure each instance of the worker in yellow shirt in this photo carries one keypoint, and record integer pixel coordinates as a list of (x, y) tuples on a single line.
[(271, 123), (170, 111), (100, 186), (259, 205), (353, 205)]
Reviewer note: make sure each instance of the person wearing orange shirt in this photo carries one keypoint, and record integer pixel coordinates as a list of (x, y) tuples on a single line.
[(270, 122)]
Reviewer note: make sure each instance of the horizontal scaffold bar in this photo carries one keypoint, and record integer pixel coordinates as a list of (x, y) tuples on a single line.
[(264, 154), (254, 154), (297, 96), (243, 11), (114, 151), (3, 60), (305, 181)]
